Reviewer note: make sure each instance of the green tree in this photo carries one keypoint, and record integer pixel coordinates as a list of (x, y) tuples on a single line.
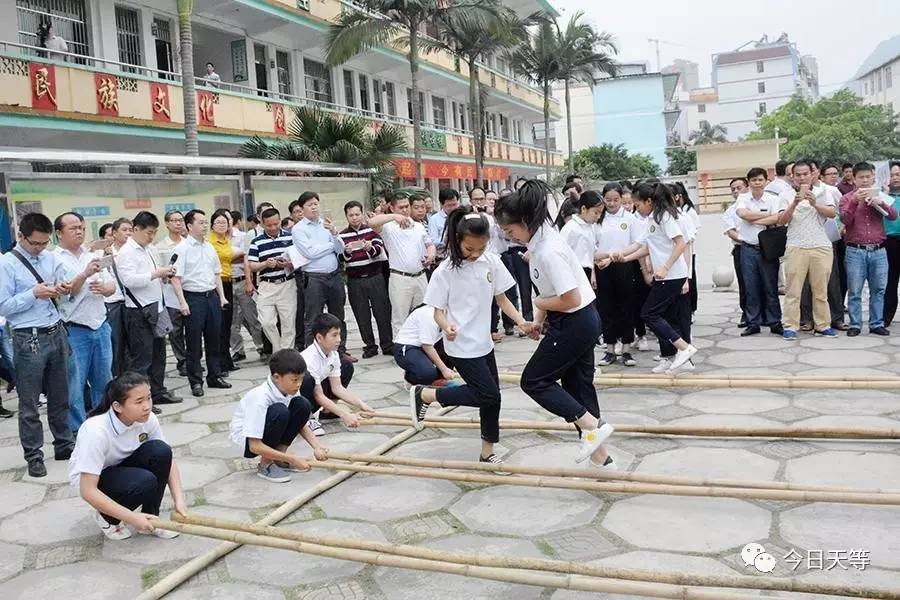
[(188, 92), (612, 163), (836, 129), (709, 134), (316, 135)]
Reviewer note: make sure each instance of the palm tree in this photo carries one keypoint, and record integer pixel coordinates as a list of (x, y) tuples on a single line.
[(188, 93), (709, 134), (316, 135), (380, 22), (583, 54)]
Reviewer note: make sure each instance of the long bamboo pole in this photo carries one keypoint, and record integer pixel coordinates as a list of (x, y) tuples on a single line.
[(567, 582), (741, 377), (198, 563), (868, 433), (718, 382), (543, 564), (595, 474), (618, 487)]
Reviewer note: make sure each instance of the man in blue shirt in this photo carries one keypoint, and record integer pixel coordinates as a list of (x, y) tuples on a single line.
[(40, 346), (449, 199), (318, 242)]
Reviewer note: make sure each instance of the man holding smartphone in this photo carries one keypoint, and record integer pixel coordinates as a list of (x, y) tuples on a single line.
[(277, 294)]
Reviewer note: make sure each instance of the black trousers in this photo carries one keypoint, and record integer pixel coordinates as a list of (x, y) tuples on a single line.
[(225, 330), (693, 292), (146, 353), (369, 296), (615, 302), (481, 390), (418, 368), (115, 315), (661, 311), (300, 319), (140, 479), (203, 329), (325, 290), (742, 292), (283, 424), (176, 337), (892, 244), (513, 295), (307, 388), (641, 291), (518, 268)]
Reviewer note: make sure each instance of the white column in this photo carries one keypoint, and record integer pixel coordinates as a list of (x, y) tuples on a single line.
[(297, 74), (103, 30), (148, 43), (251, 62), (8, 22)]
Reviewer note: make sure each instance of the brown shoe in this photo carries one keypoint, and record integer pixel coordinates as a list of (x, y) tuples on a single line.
[(349, 358), (806, 327)]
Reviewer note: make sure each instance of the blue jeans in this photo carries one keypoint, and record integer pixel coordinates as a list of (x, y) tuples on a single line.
[(89, 363), (761, 285), (7, 372), (866, 266)]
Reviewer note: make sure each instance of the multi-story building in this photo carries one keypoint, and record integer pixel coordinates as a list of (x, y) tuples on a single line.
[(688, 74), (874, 80), (119, 85), (701, 107), (756, 80)]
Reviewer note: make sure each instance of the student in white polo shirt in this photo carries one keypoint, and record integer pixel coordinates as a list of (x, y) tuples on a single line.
[(419, 349), (328, 375), (566, 299), (122, 461), (460, 291), (270, 416)]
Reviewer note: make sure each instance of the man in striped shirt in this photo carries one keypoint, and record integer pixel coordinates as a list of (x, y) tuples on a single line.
[(363, 252), (277, 300)]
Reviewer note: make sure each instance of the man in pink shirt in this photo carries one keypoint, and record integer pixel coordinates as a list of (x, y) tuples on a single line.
[(863, 212)]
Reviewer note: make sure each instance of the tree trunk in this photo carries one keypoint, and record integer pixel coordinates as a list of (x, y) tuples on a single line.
[(569, 128), (414, 101), (547, 130), (476, 122), (188, 92)]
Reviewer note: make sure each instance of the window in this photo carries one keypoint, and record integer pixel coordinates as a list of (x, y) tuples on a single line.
[(504, 127), (462, 116), (317, 80), (363, 92), (704, 123), (454, 115), (283, 71), (760, 66), (349, 95), (409, 106), (701, 108), (439, 110), (888, 78), (391, 99), (762, 108), (878, 81), (68, 17), (378, 105), (761, 87), (128, 35), (865, 88)]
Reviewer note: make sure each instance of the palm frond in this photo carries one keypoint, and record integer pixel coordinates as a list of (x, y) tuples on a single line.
[(283, 150), (305, 124), (387, 143), (255, 147), (412, 192), (342, 152), (354, 33), (333, 129)]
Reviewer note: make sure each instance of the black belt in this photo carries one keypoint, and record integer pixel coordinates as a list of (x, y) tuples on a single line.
[(751, 245), (206, 294), (238, 279), (322, 275), (869, 247), (80, 326), (405, 274), (279, 279), (38, 330)]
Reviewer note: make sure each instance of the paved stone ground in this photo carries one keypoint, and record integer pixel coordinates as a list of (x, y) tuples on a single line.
[(49, 545)]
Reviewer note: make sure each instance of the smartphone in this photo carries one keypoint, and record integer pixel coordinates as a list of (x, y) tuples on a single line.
[(106, 262), (804, 188)]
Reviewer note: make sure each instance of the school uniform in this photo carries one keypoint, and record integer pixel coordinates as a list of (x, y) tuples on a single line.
[(132, 461), (406, 286), (581, 237), (264, 413), (694, 217), (615, 283), (499, 244), (566, 352), (419, 329), (660, 310), (464, 292), (639, 226), (320, 368)]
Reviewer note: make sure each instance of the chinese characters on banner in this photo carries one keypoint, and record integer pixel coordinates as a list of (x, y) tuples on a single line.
[(278, 118), (206, 111), (435, 169), (106, 88), (159, 103), (43, 86)]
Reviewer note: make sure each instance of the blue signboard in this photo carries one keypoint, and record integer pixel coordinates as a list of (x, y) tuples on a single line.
[(92, 212), (180, 206)]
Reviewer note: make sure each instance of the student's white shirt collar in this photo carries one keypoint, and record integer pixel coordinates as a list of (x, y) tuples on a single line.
[(275, 392), (579, 220), (538, 237), (117, 425), (319, 350)]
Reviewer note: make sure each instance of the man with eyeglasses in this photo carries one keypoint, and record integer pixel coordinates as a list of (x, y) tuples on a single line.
[(31, 281)]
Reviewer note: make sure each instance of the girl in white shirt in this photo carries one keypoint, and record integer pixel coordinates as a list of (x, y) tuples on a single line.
[(642, 273), (122, 461), (686, 208), (579, 231), (460, 291), (665, 243), (419, 350), (566, 300)]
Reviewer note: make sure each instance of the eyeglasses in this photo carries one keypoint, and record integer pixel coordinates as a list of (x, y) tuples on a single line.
[(38, 244)]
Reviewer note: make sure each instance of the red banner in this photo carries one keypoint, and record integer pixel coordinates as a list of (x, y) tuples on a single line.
[(106, 88), (43, 86), (278, 122), (206, 109), (435, 169), (160, 107)]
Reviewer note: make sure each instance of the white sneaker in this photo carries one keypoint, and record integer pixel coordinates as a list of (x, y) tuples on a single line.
[(112, 532), (682, 356), (316, 427), (663, 366), (643, 346), (591, 440), (608, 465), (618, 348), (686, 367), (657, 357), (163, 534)]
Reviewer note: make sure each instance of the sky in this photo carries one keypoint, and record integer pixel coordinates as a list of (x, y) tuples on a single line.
[(696, 29)]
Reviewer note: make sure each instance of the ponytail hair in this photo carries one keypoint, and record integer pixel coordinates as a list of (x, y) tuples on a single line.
[(682, 191), (527, 206), (661, 197), (117, 390), (612, 186), (566, 210), (462, 222)]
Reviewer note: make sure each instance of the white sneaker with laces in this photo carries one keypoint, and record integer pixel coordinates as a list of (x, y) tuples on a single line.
[(112, 532), (663, 366), (316, 427), (591, 440), (163, 534), (493, 459), (682, 356), (643, 346), (618, 348), (608, 465), (685, 368)]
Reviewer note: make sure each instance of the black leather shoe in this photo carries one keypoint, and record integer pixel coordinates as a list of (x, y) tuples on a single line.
[(853, 332), (880, 331), (389, 351), (167, 399), (752, 330), (197, 390), (36, 468), (238, 356), (218, 383), (156, 410), (742, 324), (777, 329), (182, 372), (232, 367), (63, 454), (5, 413), (370, 352)]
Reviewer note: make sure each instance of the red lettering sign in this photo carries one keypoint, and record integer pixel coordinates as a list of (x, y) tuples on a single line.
[(159, 103), (206, 109), (278, 118), (106, 88), (132, 203), (43, 86)]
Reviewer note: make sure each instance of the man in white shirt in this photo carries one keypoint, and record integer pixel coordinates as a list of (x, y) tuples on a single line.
[(198, 285), (244, 309), (83, 312), (738, 186), (141, 278), (410, 252), (212, 78), (118, 231), (783, 182), (174, 220), (449, 199)]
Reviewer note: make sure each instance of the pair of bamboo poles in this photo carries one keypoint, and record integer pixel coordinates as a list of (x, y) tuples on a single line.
[(711, 381)]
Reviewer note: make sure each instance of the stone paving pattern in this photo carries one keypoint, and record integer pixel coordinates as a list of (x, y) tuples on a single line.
[(50, 546)]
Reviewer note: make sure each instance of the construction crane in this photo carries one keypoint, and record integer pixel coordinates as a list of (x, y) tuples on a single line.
[(657, 42)]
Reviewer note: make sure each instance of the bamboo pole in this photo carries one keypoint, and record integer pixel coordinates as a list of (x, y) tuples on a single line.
[(718, 382), (543, 564), (740, 377), (594, 474), (567, 582), (868, 433), (198, 563), (618, 487)]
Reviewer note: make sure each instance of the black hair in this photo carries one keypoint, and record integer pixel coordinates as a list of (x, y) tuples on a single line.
[(220, 212), (893, 163), (236, 215), (323, 323), (146, 220), (477, 187), (516, 182), (491, 191), (287, 361), (253, 219), (527, 206), (119, 222), (58, 221), (35, 222), (612, 186), (863, 166), (572, 185), (268, 213), (780, 168), (191, 215), (447, 194), (285, 222), (566, 210), (831, 166), (353, 204), (103, 229), (303, 199), (661, 197), (464, 221), (211, 65), (394, 199), (803, 162), (504, 192), (169, 214), (685, 197), (43, 32), (589, 199), (846, 165), (117, 391), (572, 177), (627, 186), (742, 179), (261, 207), (757, 172), (812, 162)]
